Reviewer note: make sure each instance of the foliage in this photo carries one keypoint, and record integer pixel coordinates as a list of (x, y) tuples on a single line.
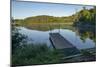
[(35, 54), (86, 17), (17, 39), (83, 17), (29, 21)]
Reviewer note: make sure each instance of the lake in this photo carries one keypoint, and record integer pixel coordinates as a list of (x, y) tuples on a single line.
[(80, 39)]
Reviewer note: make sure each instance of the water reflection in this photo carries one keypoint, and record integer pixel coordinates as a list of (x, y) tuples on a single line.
[(87, 32), (80, 38)]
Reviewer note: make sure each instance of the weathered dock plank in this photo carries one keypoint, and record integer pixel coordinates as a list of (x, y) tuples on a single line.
[(59, 41), (63, 45)]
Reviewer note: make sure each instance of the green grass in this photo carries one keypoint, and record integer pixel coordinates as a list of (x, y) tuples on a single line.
[(35, 54)]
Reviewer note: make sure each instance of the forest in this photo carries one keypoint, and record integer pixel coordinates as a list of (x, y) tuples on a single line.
[(83, 17)]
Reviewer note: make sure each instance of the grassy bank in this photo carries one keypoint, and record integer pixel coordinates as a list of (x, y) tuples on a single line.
[(35, 54)]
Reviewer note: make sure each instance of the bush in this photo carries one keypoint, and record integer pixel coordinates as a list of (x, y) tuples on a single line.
[(17, 39)]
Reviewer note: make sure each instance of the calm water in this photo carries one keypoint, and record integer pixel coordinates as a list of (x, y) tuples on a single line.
[(37, 36)]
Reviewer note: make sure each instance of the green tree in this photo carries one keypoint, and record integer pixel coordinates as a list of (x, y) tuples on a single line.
[(86, 16)]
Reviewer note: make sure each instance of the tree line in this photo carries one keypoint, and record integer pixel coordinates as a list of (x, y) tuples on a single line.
[(83, 17)]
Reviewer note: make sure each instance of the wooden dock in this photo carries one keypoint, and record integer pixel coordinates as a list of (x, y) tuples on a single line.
[(60, 43)]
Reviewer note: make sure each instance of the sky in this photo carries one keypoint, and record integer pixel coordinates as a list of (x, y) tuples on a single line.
[(21, 10)]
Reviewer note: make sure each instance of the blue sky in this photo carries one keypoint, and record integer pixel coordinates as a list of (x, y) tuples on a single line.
[(21, 10)]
